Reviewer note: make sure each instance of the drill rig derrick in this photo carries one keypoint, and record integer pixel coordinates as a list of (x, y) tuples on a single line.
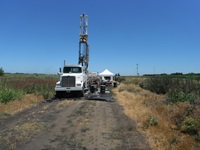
[(83, 43), (75, 78)]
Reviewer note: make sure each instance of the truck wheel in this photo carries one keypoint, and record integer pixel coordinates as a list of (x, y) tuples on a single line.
[(82, 94), (58, 94)]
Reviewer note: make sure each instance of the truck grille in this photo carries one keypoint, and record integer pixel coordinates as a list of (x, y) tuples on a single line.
[(68, 81)]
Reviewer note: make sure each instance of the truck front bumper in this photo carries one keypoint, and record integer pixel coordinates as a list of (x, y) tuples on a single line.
[(68, 89)]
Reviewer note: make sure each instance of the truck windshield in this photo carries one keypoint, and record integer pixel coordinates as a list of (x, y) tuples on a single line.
[(72, 70)]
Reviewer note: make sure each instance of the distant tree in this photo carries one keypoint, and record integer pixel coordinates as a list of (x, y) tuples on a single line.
[(163, 74), (177, 73), (1, 72), (149, 75), (117, 74)]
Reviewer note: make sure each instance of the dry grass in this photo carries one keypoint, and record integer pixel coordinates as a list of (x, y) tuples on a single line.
[(23, 133), (64, 103), (140, 104), (27, 101), (28, 130)]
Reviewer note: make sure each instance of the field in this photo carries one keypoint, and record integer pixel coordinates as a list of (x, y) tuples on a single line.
[(19, 91), (150, 113), (169, 119)]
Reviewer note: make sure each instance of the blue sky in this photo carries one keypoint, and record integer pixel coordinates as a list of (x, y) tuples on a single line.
[(162, 36)]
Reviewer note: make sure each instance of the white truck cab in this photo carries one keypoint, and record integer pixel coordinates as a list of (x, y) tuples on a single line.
[(72, 79)]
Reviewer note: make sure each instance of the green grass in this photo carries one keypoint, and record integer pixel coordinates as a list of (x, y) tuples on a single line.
[(14, 86), (7, 95)]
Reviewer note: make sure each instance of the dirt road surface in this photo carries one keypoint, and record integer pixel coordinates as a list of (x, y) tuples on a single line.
[(71, 125)]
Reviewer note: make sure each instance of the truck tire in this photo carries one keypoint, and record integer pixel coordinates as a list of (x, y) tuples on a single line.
[(58, 94), (82, 94)]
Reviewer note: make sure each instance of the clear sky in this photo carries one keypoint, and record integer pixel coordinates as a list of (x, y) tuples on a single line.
[(162, 36)]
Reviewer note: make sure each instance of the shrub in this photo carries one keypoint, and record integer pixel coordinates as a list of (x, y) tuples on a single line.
[(47, 94), (180, 96), (151, 121), (7, 95), (177, 89), (159, 85), (189, 126)]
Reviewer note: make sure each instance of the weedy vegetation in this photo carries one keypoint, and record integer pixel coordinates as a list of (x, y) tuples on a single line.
[(17, 90), (167, 109)]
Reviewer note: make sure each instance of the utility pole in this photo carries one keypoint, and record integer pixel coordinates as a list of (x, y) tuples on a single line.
[(137, 70)]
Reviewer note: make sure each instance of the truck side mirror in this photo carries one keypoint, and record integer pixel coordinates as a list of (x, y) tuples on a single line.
[(60, 70)]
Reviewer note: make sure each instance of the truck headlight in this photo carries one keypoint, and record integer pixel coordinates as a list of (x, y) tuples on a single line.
[(58, 83)]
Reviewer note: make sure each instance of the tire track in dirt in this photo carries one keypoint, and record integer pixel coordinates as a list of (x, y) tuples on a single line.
[(102, 125), (47, 140), (79, 125)]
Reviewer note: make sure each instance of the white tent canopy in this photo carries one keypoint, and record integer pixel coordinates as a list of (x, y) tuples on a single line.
[(107, 74)]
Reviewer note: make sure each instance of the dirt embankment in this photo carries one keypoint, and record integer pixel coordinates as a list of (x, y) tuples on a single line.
[(81, 124)]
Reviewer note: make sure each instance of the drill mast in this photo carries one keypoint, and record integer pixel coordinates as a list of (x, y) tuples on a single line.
[(83, 42)]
